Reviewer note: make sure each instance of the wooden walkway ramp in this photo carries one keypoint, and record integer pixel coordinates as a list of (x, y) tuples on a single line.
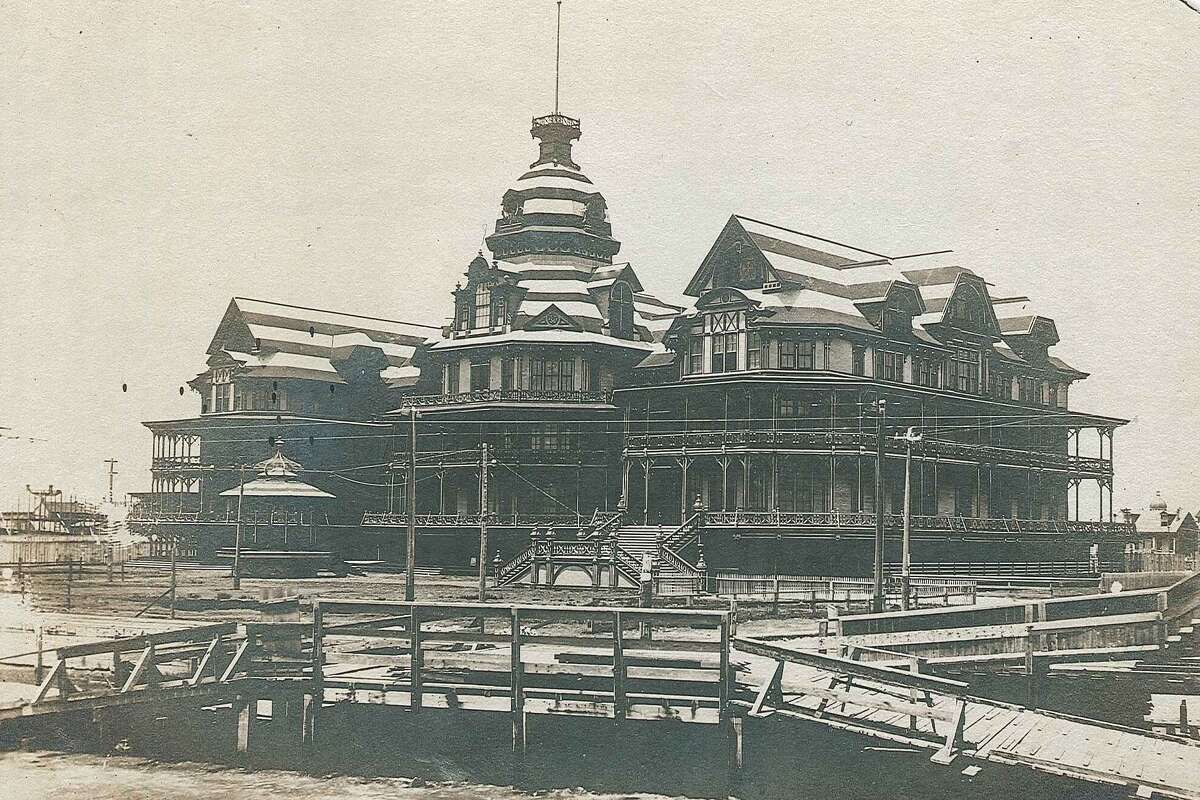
[(906, 706)]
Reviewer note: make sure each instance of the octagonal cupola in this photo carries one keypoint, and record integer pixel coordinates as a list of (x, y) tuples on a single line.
[(553, 208)]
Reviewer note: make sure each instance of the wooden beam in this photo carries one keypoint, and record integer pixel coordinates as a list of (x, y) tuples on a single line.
[(771, 690), (236, 663), (145, 661), (202, 667), (185, 635), (949, 751), (843, 666), (51, 679)]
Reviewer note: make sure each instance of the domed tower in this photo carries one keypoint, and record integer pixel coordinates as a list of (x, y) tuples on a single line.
[(554, 209)]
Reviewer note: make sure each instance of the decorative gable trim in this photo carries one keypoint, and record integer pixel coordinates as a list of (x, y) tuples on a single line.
[(730, 261), (553, 318)]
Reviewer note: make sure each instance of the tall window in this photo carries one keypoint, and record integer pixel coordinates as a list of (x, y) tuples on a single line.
[(797, 355), (452, 378), (508, 373), (754, 350), (481, 375), (1001, 384), (858, 360), (724, 354), (889, 366), (695, 354), (620, 311), (483, 306), (552, 374), (927, 372), (962, 371)]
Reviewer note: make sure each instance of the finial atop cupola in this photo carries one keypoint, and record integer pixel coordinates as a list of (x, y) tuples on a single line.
[(556, 131)]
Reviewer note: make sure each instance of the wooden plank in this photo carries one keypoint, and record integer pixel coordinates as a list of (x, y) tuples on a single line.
[(51, 679), (202, 667), (239, 657), (124, 644), (145, 661), (844, 666)]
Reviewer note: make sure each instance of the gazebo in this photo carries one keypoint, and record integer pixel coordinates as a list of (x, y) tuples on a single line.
[(277, 512)]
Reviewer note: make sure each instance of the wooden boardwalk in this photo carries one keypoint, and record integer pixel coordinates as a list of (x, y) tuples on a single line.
[(903, 705), (663, 665)]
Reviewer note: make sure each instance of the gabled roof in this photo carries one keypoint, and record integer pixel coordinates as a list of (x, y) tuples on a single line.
[(277, 340), (813, 280)]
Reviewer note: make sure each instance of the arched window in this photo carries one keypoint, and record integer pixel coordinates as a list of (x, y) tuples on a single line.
[(620, 311), (483, 306)]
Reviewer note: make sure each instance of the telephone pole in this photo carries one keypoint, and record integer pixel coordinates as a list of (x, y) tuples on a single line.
[(112, 472), (483, 527), (910, 437), (877, 599), (410, 548)]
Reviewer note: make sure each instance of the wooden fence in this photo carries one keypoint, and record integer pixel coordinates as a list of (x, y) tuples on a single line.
[(620, 663)]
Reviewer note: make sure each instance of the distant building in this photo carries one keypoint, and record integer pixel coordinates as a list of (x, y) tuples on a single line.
[(755, 398), (1166, 540)]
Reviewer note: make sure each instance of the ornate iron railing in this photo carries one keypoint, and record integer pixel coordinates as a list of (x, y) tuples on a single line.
[(553, 550), (677, 562), (392, 519), (864, 442), (508, 396), (686, 533), (138, 516), (953, 524)]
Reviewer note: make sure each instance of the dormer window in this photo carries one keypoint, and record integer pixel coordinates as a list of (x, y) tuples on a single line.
[(620, 311)]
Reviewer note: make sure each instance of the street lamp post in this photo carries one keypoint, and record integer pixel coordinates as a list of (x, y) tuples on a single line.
[(910, 437)]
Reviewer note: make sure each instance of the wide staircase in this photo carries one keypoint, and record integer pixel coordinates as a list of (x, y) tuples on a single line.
[(655, 541), (673, 551)]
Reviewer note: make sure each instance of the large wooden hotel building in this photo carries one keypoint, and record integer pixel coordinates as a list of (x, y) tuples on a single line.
[(745, 416)]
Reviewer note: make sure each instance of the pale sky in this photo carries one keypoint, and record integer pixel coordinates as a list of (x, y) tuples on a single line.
[(157, 159)]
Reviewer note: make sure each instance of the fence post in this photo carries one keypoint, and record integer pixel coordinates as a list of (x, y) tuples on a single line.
[(517, 689), (775, 593), (618, 668), (38, 643)]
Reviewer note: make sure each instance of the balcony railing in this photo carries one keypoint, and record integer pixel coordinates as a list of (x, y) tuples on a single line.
[(865, 520), (864, 442), (152, 516), (508, 396), (494, 520)]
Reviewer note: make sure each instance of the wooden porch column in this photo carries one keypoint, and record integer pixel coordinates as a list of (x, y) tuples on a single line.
[(684, 463)]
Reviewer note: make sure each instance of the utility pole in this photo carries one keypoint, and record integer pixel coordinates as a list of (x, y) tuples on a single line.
[(910, 437), (112, 472), (877, 600), (483, 527), (410, 548), (237, 539)]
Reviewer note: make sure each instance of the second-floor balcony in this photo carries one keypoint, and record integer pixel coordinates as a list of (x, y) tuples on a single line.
[(488, 396), (807, 522), (848, 443)]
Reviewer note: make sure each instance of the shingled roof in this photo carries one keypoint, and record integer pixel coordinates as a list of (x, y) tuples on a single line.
[(277, 340), (804, 279)]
